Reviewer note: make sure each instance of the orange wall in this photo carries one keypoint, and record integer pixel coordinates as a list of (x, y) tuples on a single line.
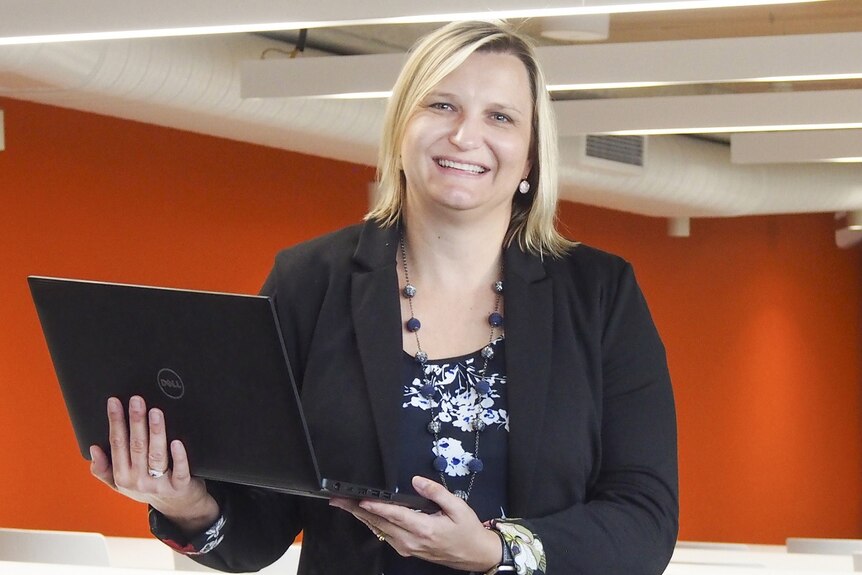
[(761, 316)]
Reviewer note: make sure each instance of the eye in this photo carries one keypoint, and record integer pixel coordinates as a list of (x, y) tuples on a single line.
[(502, 118), (442, 106)]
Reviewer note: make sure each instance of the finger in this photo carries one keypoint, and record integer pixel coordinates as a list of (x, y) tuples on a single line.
[(377, 523), (180, 474), (139, 435), (402, 517), (450, 504), (118, 437), (100, 466), (157, 457)]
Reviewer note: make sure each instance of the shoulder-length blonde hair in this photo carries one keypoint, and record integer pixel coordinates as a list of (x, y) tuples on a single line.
[(432, 59)]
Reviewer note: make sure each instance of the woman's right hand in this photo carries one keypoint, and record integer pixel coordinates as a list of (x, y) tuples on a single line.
[(139, 467)]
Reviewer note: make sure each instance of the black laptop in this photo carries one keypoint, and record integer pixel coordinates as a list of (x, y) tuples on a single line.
[(215, 363)]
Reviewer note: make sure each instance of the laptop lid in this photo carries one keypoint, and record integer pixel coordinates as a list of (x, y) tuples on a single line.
[(213, 362)]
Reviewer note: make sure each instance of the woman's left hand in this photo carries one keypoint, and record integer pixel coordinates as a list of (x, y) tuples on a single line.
[(453, 536)]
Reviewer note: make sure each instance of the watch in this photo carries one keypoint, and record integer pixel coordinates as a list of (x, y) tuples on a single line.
[(506, 564)]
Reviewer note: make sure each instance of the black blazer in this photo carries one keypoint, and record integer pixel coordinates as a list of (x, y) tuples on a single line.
[(592, 441)]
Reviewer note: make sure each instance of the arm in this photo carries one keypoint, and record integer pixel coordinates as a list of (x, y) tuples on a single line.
[(628, 522)]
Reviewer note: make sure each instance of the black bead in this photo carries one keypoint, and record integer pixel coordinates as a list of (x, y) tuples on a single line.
[(475, 465), (495, 319), (413, 324)]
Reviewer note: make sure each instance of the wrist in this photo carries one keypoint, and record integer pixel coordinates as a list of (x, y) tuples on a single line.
[(505, 563), (194, 518)]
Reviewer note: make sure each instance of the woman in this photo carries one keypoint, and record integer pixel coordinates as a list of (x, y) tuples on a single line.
[(560, 414)]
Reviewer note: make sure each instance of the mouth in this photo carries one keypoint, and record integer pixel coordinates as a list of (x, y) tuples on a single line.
[(460, 166)]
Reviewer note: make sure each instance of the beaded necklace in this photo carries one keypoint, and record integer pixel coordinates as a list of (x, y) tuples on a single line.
[(482, 385)]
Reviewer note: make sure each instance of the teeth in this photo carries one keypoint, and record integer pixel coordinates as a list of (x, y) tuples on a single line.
[(459, 166)]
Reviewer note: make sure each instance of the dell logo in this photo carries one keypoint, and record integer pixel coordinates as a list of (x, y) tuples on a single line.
[(170, 383)]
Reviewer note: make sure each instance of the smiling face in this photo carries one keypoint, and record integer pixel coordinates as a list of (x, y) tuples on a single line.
[(467, 144)]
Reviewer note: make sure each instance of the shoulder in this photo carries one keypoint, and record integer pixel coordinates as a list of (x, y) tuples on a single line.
[(331, 248), (586, 264)]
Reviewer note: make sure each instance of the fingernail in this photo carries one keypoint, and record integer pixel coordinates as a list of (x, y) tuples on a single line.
[(420, 482), (136, 402), (155, 416)]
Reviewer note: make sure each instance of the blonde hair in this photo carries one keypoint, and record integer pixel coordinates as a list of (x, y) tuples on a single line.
[(432, 59)]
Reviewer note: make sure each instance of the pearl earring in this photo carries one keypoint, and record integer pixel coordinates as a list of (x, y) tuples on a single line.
[(524, 187)]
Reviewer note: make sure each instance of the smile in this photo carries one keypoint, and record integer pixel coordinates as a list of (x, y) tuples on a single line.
[(471, 168)]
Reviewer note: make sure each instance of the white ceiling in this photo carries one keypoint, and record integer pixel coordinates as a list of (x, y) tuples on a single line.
[(192, 83)]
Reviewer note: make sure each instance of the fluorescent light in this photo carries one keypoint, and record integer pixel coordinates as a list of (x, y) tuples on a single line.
[(796, 146), (80, 20)]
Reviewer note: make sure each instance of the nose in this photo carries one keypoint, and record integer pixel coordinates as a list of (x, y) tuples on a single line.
[(466, 132)]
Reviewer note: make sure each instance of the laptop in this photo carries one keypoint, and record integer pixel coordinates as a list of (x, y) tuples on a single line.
[(214, 363)]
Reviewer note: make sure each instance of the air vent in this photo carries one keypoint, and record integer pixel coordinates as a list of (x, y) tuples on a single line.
[(626, 154), (627, 150)]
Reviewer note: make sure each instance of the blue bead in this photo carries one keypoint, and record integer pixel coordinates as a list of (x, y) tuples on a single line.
[(475, 465), (495, 319), (413, 324), (427, 390), (483, 386), (440, 463)]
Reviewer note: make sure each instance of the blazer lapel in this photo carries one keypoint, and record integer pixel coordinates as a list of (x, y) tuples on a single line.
[(377, 320), (529, 325)]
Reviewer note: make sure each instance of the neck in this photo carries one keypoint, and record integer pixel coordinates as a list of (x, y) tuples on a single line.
[(452, 254)]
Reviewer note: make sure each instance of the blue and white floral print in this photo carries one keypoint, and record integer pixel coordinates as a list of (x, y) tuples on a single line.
[(457, 403)]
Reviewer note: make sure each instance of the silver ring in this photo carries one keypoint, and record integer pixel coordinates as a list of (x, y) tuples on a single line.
[(155, 473)]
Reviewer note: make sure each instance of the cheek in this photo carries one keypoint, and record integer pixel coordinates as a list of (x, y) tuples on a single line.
[(516, 153)]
